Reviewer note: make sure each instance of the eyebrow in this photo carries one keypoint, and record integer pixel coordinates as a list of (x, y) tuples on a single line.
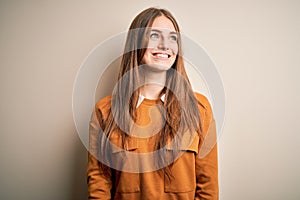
[(156, 30)]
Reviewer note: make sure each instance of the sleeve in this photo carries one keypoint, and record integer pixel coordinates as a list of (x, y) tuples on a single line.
[(207, 187), (99, 181), (207, 167)]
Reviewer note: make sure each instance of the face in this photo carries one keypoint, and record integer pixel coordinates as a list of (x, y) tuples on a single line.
[(162, 46)]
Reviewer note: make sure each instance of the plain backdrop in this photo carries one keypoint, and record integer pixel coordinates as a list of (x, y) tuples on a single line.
[(255, 45)]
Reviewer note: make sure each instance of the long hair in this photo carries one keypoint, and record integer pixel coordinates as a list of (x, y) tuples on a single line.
[(180, 103)]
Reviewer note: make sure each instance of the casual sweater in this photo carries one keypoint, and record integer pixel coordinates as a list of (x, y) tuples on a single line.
[(194, 173)]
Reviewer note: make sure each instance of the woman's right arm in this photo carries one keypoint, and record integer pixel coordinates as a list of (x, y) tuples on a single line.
[(99, 181)]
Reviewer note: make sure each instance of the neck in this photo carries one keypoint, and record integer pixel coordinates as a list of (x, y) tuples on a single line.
[(154, 84), (151, 91)]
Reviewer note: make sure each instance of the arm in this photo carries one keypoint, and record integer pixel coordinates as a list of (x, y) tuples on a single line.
[(207, 167), (99, 181), (207, 160)]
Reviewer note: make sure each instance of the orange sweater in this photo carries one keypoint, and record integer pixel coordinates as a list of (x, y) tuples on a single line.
[(195, 173)]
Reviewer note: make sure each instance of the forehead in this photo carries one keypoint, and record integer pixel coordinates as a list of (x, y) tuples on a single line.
[(163, 22)]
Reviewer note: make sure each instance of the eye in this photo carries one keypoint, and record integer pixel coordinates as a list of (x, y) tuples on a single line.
[(154, 36), (173, 37)]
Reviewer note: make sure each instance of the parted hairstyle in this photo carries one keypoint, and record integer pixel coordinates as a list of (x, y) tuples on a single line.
[(180, 103)]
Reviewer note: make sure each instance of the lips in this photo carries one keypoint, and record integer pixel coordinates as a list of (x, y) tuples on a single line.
[(161, 55)]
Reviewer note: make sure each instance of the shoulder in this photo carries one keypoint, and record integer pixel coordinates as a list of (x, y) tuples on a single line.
[(103, 106), (104, 103), (205, 108), (203, 102)]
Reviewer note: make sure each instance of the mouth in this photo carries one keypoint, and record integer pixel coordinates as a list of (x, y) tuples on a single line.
[(161, 55)]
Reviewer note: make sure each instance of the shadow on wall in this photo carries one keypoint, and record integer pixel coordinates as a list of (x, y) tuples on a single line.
[(79, 180), (108, 79), (79, 183)]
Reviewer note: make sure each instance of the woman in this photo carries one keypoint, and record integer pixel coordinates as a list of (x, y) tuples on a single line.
[(153, 138)]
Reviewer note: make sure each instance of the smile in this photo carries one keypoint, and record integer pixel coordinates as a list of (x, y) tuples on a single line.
[(161, 55)]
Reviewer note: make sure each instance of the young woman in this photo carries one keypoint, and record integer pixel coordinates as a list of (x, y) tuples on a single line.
[(153, 138)]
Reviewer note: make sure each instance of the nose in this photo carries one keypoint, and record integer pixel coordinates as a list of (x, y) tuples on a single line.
[(163, 44)]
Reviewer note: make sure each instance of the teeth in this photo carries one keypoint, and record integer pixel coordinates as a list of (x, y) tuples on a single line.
[(162, 55)]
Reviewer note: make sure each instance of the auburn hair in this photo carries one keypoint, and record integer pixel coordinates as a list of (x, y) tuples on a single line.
[(180, 104)]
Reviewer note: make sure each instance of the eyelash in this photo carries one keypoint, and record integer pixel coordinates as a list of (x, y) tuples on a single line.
[(156, 36), (173, 37)]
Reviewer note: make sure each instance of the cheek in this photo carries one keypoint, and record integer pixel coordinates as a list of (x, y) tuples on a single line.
[(174, 48), (152, 44), (146, 57)]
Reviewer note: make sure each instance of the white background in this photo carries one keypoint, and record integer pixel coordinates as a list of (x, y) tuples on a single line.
[(254, 44)]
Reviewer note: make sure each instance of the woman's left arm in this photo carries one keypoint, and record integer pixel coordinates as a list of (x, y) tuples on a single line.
[(207, 167), (206, 164)]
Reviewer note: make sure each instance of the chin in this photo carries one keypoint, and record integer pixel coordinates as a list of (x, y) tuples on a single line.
[(160, 66)]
